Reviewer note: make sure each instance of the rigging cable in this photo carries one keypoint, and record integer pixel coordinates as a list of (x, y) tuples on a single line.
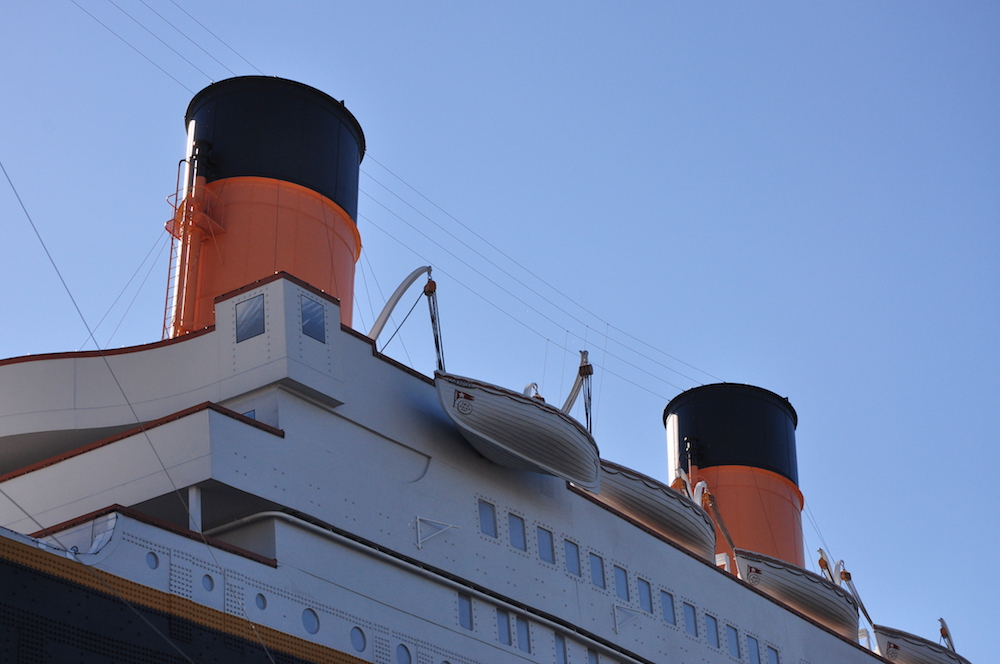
[(217, 37), (508, 274), (11, 499), (157, 37), (128, 402), (137, 291), (124, 288), (184, 34), (147, 58), (530, 272), (522, 323)]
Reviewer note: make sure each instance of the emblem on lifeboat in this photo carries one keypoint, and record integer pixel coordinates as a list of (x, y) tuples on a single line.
[(463, 402)]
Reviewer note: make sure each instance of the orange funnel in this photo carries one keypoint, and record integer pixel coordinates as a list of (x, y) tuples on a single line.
[(740, 440), (270, 184)]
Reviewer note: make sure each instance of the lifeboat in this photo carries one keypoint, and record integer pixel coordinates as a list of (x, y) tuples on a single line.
[(905, 648), (811, 594), (518, 431), (656, 505)]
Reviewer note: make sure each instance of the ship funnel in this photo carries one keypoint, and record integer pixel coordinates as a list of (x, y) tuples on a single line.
[(269, 184), (740, 439)]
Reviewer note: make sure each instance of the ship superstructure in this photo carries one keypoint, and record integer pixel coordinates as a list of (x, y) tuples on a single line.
[(263, 485)]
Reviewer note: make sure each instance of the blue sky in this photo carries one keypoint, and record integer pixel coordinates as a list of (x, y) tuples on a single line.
[(797, 196)]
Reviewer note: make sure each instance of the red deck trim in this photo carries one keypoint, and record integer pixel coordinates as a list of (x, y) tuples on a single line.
[(207, 405), (77, 354), (385, 358), (274, 277), (158, 523)]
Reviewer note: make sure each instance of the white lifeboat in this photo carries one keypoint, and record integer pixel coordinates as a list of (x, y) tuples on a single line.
[(808, 593), (519, 431)]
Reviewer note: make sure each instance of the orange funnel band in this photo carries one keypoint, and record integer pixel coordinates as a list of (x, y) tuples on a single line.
[(234, 231), (762, 511)]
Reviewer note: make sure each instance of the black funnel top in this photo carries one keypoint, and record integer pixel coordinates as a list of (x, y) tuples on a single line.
[(736, 425), (276, 128)]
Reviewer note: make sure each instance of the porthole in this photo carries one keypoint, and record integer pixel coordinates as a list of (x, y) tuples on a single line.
[(403, 655), (310, 621), (152, 560), (208, 582), (358, 639), (261, 601)]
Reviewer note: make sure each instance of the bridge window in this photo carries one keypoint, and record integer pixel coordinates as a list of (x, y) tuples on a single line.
[(313, 319), (561, 657), (645, 596), (597, 570), (734, 641), (667, 601), (523, 634), (572, 558), (516, 527), (465, 611), (249, 318), (712, 630), (487, 519), (690, 619), (621, 583), (546, 548), (503, 627)]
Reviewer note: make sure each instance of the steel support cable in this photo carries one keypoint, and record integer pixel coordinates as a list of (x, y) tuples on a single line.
[(384, 299), (527, 270), (508, 292), (134, 297), (157, 37), (515, 318), (124, 41), (128, 283), (400, 326), (128, 402), (184, 34), (512, 295), (217, 37)]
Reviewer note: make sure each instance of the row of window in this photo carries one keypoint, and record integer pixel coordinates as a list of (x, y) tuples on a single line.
[(250, 318), (515, 631), (517, 534)]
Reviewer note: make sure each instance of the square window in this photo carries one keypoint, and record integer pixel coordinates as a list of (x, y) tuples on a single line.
[(249, 318), (621, 583), (772, 656), (690, 620), (313, 319), (597, 570), (523, 634), (572, 558), (465, 611), (667, 602), (487, 519), (517, 538), (503, 627), (645, 596), (754, 649), (734, 641), (712, 630), (546, 546)]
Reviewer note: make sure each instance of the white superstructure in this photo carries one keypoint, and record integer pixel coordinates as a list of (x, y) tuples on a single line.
[(383, 522)]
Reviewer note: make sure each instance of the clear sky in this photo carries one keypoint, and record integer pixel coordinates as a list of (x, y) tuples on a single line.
[(800, 196)]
